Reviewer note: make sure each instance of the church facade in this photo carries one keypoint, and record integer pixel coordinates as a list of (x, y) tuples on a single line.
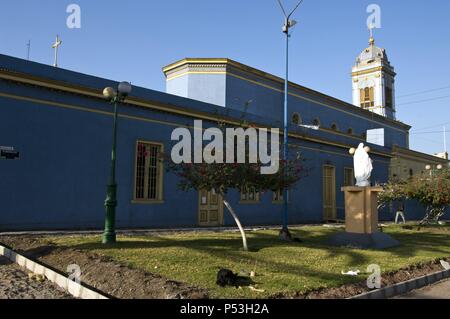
[(61, 126)]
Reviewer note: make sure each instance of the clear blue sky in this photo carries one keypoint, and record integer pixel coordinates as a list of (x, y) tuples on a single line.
[(132, 40)]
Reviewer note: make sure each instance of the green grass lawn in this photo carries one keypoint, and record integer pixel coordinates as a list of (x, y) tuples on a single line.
[(195, 258)]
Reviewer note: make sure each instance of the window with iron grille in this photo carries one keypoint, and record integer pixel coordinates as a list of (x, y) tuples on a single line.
[(148, 185), (249, 195), (278, 196)]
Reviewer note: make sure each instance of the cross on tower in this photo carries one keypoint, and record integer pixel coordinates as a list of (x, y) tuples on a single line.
[(55, 46), (371, 40)]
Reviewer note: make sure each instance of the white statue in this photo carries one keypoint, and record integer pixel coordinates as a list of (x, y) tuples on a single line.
[(363, 165)]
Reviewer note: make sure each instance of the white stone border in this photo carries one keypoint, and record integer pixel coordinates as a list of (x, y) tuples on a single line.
[(75, 289), (404, 287)]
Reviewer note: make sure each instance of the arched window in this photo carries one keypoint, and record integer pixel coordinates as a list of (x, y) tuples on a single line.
[(350, 131), (389, 97), (296, 119), (316, 122), (334, 127), (367, 98)]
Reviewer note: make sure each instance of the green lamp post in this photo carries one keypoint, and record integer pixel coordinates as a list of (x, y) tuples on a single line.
[(115, 97)]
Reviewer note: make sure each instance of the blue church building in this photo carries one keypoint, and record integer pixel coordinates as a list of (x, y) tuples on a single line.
[(61, 126)]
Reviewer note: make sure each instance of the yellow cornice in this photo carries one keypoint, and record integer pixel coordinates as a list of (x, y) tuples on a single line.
[(372, 70), (50, 84), (185, 61)]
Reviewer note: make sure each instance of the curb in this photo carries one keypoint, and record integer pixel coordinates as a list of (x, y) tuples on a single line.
[(404, 287), (75, 289)]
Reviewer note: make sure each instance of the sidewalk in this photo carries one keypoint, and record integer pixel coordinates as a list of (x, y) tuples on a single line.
[(155, 230), (16, 284), (440, 290)]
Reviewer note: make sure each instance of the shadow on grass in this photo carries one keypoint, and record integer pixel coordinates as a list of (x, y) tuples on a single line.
[(226, 250)]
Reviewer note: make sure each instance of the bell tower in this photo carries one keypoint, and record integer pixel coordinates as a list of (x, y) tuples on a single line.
[(374, 81)]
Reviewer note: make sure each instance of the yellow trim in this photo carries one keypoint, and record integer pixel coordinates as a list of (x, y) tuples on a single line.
[(25, 78), (85, 109), (179, 63), (200, 116), (160, 193), (372, 70)]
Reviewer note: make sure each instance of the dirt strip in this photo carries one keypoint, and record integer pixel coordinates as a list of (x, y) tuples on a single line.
[(103, 273)]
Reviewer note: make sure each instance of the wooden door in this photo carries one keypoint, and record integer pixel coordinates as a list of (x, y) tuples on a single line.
[(210, 209), (329, 193)]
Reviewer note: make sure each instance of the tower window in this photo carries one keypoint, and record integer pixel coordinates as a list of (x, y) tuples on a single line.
[(367, 97), (316, 122), (296, 120), (389, 97), (334, 127)]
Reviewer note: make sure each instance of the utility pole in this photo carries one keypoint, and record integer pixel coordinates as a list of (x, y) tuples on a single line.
[(445, 139), (28, 49), (288, 24)]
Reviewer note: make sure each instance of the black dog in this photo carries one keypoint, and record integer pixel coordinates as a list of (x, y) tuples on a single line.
[(226, 277)]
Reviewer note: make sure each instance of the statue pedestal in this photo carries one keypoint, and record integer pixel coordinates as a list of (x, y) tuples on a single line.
[(361, 212), (361, 220)]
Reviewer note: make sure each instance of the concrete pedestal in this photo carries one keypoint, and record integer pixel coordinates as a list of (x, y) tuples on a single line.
[(361, 212), (361, 220)]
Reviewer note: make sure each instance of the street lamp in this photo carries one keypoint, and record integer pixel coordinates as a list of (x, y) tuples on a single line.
[(115, 97), (430, 168), (288, 24)]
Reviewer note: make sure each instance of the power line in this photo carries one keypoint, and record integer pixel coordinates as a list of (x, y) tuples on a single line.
[(432, 132), (426, 100), (428, 127), (428, 140), (423, 92)]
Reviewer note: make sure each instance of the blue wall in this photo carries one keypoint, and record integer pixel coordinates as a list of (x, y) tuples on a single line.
[(65, 143)]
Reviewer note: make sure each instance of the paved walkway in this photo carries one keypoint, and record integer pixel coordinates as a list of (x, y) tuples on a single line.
[(158, 230), (15, 284), (440, 290)]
